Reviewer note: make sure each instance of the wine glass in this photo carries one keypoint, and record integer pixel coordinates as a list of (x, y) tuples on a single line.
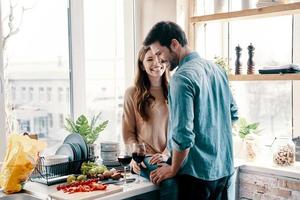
[(138, 155), (124, 159)]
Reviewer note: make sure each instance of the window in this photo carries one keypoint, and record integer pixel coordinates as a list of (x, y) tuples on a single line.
[(61, 121), (269, 103), (24, 125), (105, 67), (41, 94), (38, 59), (30, 94), (60, 94), (23, 94), (50, 120), (49, 94)]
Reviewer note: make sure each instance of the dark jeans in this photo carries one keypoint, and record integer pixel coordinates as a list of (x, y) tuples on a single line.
[(168, 189), (192, 188)]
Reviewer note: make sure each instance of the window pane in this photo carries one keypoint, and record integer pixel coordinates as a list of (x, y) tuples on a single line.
[(37, 65), (271, 37), (266, 102), (104, 53)]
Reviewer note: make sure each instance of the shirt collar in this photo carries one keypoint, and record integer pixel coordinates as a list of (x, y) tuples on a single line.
[(188, 57)]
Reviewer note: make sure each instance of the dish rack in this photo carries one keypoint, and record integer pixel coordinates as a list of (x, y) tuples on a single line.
[(57, 173)]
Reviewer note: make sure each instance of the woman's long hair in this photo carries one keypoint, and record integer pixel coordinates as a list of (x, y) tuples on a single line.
[(142, 96)]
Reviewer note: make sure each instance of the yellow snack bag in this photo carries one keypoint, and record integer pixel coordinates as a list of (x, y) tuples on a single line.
[(20, 159)]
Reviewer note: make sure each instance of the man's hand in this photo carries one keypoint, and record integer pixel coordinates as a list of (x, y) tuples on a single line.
[(163, 172)]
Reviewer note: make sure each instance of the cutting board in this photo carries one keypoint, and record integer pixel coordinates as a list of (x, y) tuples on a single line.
[(111, 189)]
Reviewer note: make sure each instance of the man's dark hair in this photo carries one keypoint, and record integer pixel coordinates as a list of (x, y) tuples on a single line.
[(164, 32)]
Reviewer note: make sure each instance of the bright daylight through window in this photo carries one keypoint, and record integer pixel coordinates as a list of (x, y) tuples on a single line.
[(36, 67)]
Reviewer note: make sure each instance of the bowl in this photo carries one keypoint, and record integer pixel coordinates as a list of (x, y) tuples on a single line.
[(109, 155), (110, 146)]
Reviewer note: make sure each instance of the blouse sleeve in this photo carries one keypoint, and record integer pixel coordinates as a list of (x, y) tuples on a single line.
[(128, 119)]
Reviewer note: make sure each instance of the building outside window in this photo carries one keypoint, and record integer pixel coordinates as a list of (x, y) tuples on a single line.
[(59, 94), (49, 94), (23, 94), (30, 94), (104, 64), (24, 125), (50, 120), (38, 57), (13, 93), (41, 94), (61, 120)]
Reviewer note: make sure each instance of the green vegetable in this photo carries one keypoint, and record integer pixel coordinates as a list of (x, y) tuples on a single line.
[(81, 178), (92, 169), (89, 132), (71, 178)]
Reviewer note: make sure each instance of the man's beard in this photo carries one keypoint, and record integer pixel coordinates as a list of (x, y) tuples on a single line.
[(173, 62)]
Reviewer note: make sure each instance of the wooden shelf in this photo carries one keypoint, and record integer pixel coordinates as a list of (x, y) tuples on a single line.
[(277, 10), (264, 77)]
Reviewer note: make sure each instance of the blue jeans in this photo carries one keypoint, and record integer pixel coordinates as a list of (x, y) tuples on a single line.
[(168, 189)]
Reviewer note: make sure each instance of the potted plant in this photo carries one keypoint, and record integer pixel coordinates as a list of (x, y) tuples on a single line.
[(246, 141), (223, 62), (88, 130)]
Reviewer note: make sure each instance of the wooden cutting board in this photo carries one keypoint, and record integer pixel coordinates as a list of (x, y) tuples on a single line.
[(111, 189)]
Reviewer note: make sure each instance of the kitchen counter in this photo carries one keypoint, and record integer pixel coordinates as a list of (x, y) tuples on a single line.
[(133, 189), (42, 191)]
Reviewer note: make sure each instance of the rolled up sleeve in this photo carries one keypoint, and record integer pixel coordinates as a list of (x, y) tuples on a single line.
[(182, 113)]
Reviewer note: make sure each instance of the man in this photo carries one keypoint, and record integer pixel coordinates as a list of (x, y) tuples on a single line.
[(201, 111)]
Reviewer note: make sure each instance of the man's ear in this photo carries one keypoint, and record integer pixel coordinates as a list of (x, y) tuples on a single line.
[(174, 45)]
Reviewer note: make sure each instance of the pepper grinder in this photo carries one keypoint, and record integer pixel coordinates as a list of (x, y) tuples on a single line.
[(238, 63), (250, 63)]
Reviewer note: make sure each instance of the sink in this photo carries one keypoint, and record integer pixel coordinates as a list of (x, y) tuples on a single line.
[(19, 196)]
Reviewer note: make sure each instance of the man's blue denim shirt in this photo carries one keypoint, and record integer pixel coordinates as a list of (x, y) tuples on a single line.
[(201, 112)]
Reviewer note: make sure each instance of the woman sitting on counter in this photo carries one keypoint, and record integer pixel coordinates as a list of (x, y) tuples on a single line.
[(147, 99)]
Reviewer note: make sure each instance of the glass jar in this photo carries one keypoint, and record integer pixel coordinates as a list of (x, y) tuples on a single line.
[(251, 147), (283, 150)]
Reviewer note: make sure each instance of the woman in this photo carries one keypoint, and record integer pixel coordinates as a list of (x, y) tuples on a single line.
[(145, 115)]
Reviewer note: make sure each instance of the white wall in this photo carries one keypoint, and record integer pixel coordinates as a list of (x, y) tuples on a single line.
[(2, 118), (149, 12)]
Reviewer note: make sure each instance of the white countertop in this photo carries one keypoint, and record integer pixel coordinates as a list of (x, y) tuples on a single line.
[(42, 191)]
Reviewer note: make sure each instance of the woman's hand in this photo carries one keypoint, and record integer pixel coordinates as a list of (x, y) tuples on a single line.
[(136, 168), (158, 158)]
